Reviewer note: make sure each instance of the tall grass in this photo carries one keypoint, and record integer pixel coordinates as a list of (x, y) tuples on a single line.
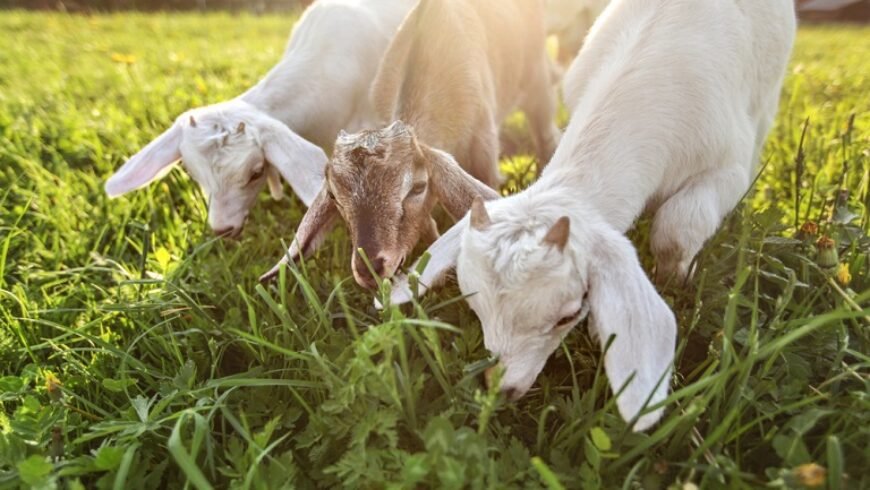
[(136, 351)]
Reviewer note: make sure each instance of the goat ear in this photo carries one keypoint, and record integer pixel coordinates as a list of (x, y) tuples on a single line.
[(454, 187), (299, 161), (559, 234), (480, 219), (151, 163), (624, 304), (315, 225), (276, 187), (442, 258)]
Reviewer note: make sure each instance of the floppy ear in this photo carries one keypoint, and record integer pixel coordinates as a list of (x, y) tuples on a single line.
[(442, 258), (315, 225), (299, 161), (454, 187), (151, 163), (624, 303)]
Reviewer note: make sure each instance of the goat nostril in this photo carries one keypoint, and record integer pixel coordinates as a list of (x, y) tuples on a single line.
[(378, 266)]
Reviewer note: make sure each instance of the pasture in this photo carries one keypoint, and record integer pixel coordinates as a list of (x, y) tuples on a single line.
[(138, 351)]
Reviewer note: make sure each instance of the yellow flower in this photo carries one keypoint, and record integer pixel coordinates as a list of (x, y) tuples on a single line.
[(811, 475), (53, 386), (51, 381), (127, 59), (843, 275)]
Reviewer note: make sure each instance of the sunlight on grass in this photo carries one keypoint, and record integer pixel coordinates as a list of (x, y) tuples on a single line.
[(137, 351)]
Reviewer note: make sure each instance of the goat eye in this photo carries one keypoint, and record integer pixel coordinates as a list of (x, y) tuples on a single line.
[(419, 188), (257, 175), (569, 320)]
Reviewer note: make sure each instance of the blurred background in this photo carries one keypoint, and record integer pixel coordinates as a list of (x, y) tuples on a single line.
[(825, 10), (821, 10), (256, 6)]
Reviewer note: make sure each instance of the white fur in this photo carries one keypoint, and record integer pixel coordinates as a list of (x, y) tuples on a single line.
[(319, 87), (671, 102)]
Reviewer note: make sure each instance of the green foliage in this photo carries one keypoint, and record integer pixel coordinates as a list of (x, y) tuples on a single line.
[(137, 351)]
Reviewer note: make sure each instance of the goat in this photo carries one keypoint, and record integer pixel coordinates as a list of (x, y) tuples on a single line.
[(453, 72), (367, 169), (281, 126), (671, 102)]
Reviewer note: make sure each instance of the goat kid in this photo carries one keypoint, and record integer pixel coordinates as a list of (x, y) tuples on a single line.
[(671, 102), (278, 127), (454, 71), (366, 172)]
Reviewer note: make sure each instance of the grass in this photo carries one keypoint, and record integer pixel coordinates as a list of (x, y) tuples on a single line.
[(136, 351)]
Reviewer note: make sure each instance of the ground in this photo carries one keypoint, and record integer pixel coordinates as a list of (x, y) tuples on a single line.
[(137, 351)]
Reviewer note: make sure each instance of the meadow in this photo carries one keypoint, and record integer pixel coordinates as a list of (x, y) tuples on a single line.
[(138, 351)]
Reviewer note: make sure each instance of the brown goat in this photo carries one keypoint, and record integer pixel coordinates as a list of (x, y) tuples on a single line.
[(453, 72), (361, 181)]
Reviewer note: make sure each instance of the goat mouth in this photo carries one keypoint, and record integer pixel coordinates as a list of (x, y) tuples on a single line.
[(232, 235)]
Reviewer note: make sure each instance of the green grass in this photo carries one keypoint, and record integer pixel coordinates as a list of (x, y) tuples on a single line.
[(138, 351)]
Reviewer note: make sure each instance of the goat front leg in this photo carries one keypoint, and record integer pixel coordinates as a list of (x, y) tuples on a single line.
[(539, 105), (691, 216)]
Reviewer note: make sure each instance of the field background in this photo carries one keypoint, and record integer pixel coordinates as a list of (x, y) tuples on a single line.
[(136, 351)]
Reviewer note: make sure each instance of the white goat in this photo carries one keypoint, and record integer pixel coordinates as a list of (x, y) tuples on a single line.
[(277, 128), (671, 103)]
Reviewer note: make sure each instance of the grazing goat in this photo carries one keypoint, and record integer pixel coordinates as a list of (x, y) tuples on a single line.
[(366, 171), (278, 127), (671, 102), (454, 71)]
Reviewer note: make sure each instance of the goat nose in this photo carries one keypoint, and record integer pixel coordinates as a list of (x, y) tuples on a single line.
[(378, 266), (511, 394)]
